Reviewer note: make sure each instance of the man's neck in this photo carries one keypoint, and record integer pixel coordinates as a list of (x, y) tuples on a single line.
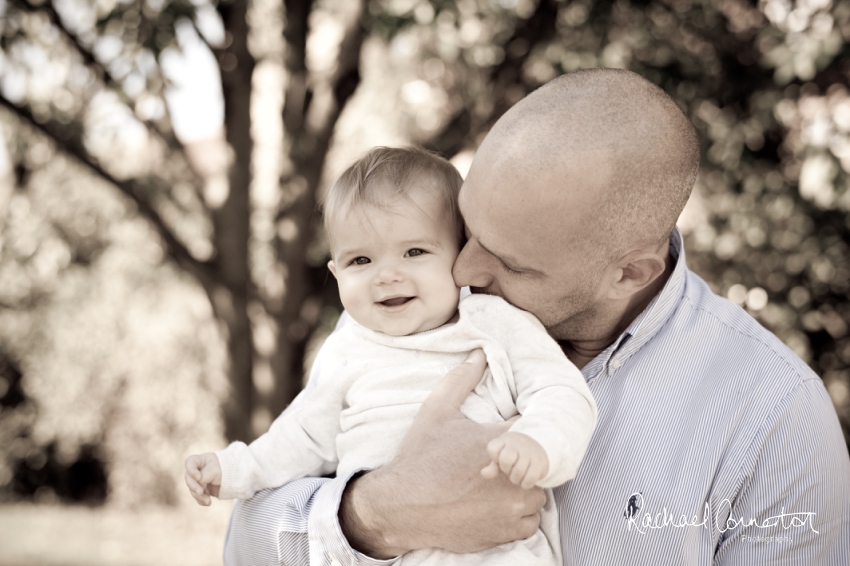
[(582, 351)]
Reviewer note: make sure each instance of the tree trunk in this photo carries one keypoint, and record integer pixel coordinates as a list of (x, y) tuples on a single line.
[(232, 221), (309, 118)]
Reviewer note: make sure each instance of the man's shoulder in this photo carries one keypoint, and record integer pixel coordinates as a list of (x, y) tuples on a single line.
[(721, 329)]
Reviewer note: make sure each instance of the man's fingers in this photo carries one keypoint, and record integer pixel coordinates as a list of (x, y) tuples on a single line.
[(529, 525), (536, 499), (459, 382)]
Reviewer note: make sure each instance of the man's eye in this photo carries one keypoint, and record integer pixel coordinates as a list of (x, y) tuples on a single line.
[(415, 252), (513, 271), (360, 261)]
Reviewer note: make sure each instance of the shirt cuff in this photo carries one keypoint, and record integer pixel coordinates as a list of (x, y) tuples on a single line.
[(328, 545)]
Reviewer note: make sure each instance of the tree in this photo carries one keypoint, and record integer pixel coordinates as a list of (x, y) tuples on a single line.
[(225, 274)]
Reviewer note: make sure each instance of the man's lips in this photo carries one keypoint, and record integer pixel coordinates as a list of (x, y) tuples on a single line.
[(396, 301)]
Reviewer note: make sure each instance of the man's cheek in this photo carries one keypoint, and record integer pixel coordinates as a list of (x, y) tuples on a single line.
[(517, 295)]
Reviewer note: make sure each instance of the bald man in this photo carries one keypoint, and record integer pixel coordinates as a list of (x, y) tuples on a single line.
[(715, 443)]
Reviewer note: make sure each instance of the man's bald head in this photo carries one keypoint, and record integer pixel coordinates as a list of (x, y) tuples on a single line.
[(615, 126)]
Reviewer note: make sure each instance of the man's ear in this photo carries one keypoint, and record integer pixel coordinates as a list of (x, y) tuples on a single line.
[(332, 267), (636, 271)]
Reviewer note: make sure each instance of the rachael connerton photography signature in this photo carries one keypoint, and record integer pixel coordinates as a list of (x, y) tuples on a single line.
[(644, 522)]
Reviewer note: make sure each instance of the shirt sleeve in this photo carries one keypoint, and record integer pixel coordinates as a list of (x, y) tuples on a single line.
[(794, 505), (293, 525)]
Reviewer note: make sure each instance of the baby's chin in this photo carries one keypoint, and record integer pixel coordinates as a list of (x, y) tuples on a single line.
[(401, 330), (420, 329)]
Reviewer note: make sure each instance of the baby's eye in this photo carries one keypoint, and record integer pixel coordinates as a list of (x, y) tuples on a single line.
[(361, 260), (415, 252)]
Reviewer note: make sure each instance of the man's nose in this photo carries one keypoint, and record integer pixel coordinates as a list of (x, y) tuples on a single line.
[(471, 266)]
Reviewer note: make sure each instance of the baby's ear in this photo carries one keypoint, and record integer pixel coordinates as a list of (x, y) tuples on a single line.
[(332, 267)]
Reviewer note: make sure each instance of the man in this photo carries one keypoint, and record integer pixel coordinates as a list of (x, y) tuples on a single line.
[(715, 443)]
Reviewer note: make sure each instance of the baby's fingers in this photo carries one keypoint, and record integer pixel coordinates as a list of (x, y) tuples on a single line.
[(507, 458), (490, 471), (534, 474), (195, 488), (192, 484), (210, 474), (193, 466), (519, 469), (494, 448)]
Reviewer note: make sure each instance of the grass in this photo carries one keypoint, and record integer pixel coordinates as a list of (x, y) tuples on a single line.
[(55, 535)]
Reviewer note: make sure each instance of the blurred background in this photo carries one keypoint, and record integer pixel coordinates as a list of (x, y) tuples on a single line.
[(162, 272)]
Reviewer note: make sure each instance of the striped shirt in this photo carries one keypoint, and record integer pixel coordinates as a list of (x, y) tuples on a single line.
[(715, 445)]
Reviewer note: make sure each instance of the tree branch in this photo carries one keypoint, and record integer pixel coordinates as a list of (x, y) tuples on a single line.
[(308, 143), (101, 71), (297, 95), (72, 144), (202, 37), (538, 28), (347, 75)]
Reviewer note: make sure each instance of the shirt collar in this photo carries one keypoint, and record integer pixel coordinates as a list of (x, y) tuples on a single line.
[(647, 323)]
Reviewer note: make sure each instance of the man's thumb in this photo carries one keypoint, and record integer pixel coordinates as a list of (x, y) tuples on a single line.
[(459, 382)]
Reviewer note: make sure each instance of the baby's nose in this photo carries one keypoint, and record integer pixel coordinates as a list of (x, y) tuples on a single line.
[(389, 273)]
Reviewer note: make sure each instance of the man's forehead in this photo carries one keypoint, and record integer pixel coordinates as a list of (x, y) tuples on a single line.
[(551, 189), (509, 236), (532, 215)]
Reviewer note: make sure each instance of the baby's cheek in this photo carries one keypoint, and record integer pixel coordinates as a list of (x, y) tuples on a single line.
[(350, 296)]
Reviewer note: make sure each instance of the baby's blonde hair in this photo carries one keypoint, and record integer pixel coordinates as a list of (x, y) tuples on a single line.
[(384, 175)]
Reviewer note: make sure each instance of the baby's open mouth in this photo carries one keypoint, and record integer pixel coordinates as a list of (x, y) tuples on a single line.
[(396, 301)]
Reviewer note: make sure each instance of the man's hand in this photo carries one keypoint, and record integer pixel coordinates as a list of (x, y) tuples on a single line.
[(432, 495), (203, 476), (519, 457)]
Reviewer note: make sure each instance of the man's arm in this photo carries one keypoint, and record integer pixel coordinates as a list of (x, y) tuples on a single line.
[(293, 525), (271, 528), (431, 495), (796, 489)]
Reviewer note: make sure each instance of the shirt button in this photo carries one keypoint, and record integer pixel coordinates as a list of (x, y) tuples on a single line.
[(616, 363)]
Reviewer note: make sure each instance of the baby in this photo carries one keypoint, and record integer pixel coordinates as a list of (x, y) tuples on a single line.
[(395, 230)]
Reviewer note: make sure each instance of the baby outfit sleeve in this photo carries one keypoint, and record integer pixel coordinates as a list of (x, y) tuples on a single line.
[(556, 406), (301, 442)]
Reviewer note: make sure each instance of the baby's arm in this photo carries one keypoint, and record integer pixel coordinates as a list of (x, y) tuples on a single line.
[(203, 477), (300, 442), (557, 410), (519, 457)]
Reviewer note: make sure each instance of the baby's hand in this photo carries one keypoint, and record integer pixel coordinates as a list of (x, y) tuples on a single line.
[(519, 456), (203, 476)]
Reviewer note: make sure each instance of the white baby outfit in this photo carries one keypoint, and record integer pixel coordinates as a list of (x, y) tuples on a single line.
[(372, 385)]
